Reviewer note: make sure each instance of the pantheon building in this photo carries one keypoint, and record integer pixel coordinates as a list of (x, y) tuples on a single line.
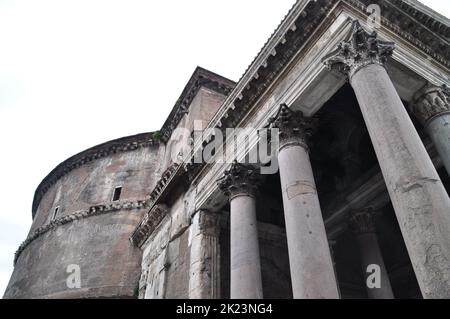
[(358, 93)]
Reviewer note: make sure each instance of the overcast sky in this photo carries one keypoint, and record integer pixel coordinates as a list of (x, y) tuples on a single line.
[(74, 74)]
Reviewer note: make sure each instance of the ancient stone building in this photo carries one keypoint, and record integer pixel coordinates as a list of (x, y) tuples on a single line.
[(362, 112)]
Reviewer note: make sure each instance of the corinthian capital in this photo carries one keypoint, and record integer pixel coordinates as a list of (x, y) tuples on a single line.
[(362, 221), (240, 179), (358, 50), (293, 126), (431, 102)]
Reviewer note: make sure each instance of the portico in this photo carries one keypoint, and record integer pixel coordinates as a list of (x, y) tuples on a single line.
[(420, 201), (362, 157)]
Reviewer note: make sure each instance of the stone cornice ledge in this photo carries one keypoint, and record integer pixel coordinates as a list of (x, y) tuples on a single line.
[(148, 224), (428, 33), (95, 210)]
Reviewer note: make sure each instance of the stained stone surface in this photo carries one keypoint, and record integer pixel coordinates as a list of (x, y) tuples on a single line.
[(123, 252)]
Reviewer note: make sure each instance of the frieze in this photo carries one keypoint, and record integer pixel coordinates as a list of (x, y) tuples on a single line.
[(162, 183)]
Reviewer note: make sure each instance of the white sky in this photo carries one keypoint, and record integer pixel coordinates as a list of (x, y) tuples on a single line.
[(74, 74)]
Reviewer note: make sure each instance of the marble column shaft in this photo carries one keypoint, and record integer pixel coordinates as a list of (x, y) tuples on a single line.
[(312, 271), (245, 263), (420, 200)]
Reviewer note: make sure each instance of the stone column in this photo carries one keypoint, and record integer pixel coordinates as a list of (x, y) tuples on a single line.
[(419, 198), (204, 274), (312, 271), (432, 108), (331, 244), (363, 227), (240, 183)]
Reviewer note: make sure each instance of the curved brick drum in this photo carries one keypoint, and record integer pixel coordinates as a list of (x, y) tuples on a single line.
[(77, 221)]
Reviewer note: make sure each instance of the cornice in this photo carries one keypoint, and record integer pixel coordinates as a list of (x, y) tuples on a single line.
[(148, 224), (95, 210), (423, 12), (200, 78), (419, 28), (162, 183), (121, 145)]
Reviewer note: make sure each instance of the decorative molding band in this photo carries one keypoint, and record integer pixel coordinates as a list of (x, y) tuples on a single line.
[(95, 210), (121, 145), (162, 183), (148, 224)]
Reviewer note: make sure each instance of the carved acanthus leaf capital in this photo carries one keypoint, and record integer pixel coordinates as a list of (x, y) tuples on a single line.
[(240, 179), (293, 126), (358, 50), (362, 221), (431, 102)]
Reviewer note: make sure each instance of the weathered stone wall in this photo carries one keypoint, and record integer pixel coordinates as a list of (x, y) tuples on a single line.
[(94, 183), (165, 261), (204, 105), (99, 245), (98, 238)]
